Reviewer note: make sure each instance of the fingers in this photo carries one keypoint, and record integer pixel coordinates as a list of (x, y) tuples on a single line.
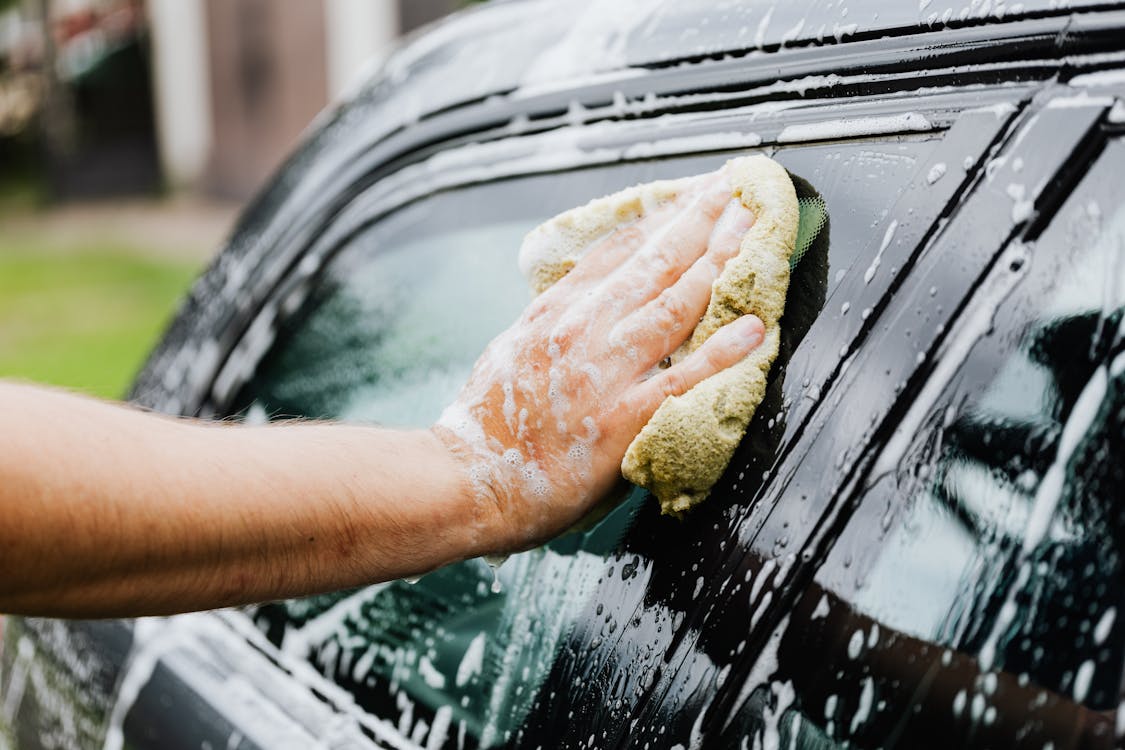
[(625, 240), (660, 326), (726, 239), (729, 345), (672, 247)]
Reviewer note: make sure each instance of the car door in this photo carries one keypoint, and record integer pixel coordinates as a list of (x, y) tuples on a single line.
[(957, 622), (972, 597), (384, 316)]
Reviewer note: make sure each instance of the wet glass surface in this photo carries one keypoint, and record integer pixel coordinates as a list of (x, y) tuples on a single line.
[(974, 598), (390, 332)]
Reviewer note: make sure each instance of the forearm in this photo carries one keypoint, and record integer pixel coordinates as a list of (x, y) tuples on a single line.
[(111, 511)]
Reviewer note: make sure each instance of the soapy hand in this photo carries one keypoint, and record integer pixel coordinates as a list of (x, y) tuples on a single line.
[(541, 427)]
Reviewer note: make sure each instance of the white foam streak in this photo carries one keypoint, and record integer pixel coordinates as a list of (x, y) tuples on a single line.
[(869, 274), (1078, 423), (145, 653), (851, 128), (472, 662)]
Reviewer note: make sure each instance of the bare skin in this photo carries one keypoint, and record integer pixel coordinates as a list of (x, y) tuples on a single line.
[(110, 511)]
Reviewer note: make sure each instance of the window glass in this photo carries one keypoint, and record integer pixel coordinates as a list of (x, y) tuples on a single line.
[(388, 333), (975, 599)]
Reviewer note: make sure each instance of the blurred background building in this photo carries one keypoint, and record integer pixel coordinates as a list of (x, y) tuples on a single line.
[(131, 131), (112, 97)]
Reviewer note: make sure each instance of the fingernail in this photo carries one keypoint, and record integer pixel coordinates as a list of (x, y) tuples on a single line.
[(749, 330)]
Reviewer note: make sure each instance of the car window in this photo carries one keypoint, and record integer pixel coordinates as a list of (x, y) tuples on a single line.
[(387, 333), (975, 597)]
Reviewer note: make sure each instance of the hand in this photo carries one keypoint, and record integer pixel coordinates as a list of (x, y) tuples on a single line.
[(542, 425)]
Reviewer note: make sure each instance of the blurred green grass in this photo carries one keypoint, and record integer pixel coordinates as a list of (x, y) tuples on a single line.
[(86, 317)]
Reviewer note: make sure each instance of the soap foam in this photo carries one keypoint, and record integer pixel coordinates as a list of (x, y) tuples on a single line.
[(550, 250)]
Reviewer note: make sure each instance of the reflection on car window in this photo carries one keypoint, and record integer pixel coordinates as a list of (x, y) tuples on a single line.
[(391, 339), (975, 599), (387, 335)]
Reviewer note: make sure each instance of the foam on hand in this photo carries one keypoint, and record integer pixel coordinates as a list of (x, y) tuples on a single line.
[(551, 249), (684, 449)]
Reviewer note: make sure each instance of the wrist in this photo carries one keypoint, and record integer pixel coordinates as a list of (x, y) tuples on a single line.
[(476, 497)]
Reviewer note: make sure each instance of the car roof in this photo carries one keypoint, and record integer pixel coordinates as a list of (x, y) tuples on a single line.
[(531, 46)]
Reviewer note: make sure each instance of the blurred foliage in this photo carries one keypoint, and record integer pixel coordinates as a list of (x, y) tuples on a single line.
[(83, 319)]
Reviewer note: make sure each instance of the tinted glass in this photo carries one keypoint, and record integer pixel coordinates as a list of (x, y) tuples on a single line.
[(975, 598), (388, 334)]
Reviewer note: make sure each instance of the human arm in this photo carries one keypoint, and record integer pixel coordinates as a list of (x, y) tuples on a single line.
[(111, 511)]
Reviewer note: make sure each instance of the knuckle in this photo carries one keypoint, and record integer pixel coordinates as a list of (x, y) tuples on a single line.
[(630, 236), (673, 311), (673, 383), (537, 309), (664, 274), (713, 358), (666, 257), (623, 336), (562, 338), (716, 203)]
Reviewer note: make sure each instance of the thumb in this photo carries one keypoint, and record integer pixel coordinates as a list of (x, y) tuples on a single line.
[(727, 346)]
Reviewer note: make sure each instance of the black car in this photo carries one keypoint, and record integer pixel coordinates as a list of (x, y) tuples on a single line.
[(920, 543)]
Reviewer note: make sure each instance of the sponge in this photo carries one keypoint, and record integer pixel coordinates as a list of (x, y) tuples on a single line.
[(686, 445)]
